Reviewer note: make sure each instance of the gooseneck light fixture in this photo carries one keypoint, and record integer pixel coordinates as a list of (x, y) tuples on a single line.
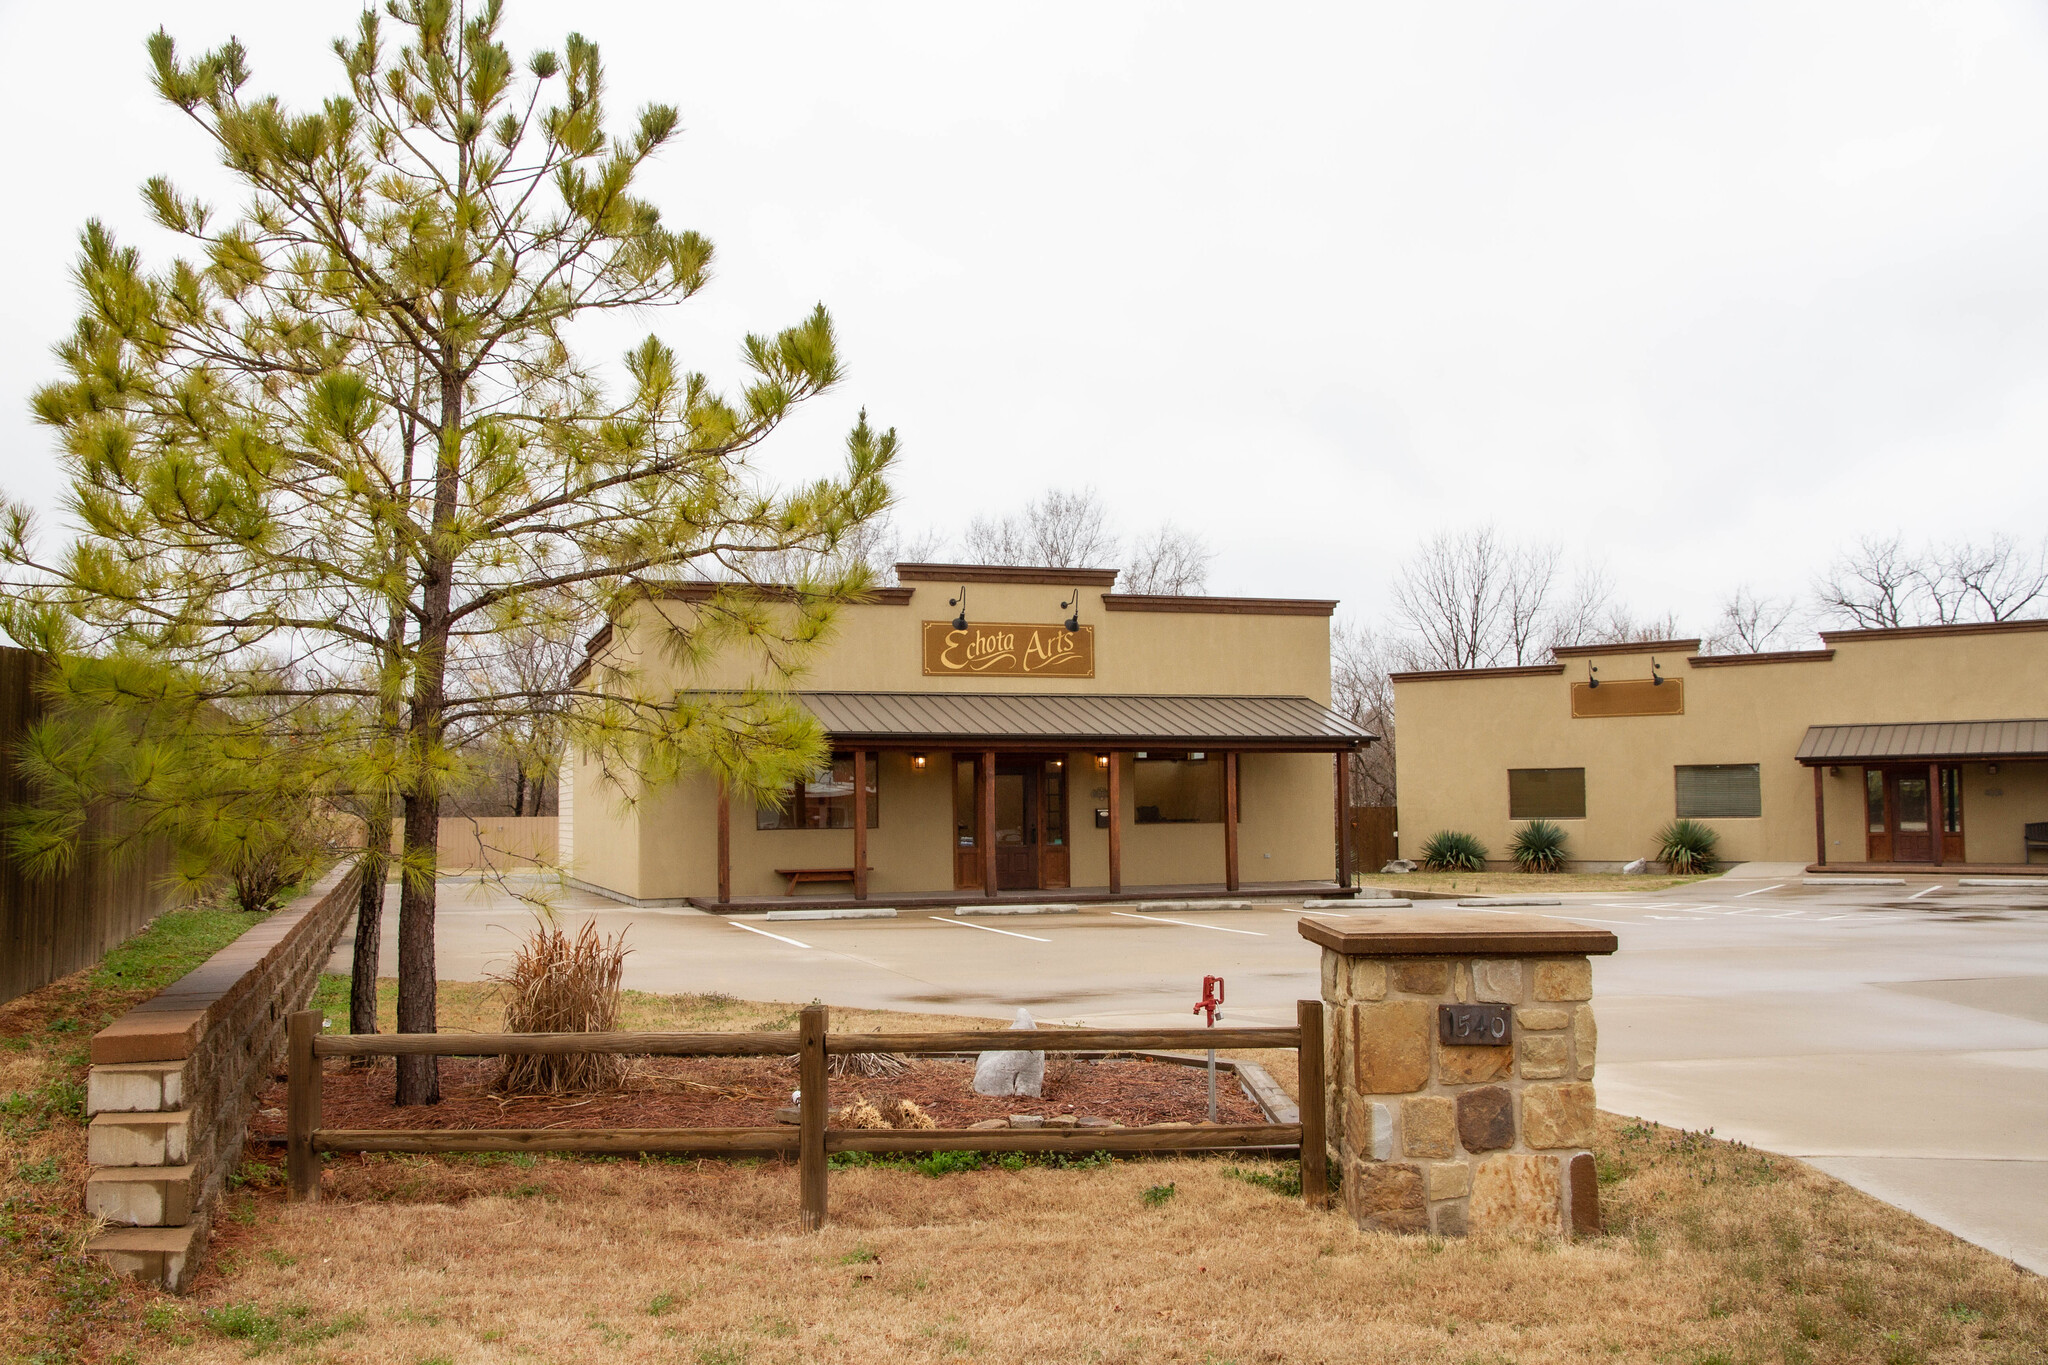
[(1656, 678), (1072, 606), (1592, 674), (960, 621)]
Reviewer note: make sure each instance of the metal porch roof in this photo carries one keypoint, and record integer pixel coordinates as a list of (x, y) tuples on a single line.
[(1926, 740), (1165, 721)]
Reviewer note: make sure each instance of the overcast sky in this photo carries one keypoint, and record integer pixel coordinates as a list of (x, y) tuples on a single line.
[(1699, 291)]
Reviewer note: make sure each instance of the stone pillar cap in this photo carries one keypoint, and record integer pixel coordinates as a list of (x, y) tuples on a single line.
[(1451, 935)]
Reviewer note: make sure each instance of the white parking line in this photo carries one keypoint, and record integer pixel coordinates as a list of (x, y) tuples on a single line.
[(765, 934), (1760, 890), (1928, 892), (1161, 919), (987, 929)]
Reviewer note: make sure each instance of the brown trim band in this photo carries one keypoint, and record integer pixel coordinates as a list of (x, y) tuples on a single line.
[(1005, 573), (1068, 744), (1218, 606), (1937, 632), (1625, 647), (1783, 656), (1448, 674), (698, 592), (1916, 761)]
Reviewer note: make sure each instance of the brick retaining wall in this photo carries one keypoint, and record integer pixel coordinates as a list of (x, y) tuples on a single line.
[(175, 1079)]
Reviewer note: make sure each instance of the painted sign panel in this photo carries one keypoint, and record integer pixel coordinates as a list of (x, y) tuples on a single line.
[(995, 649), (1629, 697)]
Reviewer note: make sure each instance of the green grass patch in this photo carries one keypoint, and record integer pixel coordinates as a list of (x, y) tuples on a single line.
[(174, 943)]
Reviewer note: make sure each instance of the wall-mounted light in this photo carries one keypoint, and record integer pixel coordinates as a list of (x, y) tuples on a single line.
[(1834, 772), (1990, 767), (917, 762), (1073, 607), (1592, 674), (1656, 678), (1102, 763), (1057, 764), (960, 621)]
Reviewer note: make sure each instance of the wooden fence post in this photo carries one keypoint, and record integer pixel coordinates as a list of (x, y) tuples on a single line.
[(811, 1107), (1315, 1173), (302, 1113)]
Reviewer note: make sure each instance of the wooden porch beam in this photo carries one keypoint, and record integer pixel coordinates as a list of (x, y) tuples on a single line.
[(1936, 812), (1230, 820), (860, 824), (1343, 817), (1116, 823), (1820, 821), (985, 837), (724, 843)]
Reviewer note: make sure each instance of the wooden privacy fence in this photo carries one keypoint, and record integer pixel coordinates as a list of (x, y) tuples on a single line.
[(810, 1140)]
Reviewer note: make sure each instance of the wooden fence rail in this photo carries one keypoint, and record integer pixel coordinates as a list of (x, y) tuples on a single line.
[(811, 1141)]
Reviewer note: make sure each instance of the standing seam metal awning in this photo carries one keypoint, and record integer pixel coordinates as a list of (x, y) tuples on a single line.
[(1017, 717), (1924, 741)]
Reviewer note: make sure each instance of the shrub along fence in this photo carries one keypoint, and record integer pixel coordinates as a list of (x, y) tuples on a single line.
[(810, 1141)]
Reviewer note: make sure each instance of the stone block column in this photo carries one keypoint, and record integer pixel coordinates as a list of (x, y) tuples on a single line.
[(1453, 1137)]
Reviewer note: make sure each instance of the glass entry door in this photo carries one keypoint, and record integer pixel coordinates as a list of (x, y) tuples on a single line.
[(1016, 826), (1902, 807)]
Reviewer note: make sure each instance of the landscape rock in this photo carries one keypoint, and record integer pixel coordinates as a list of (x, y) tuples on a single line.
[(1011, 1073), (1063, 1121), (1398, 865), (990, 1123), (1027, 1120), (1097, 1123), (1636, 868)]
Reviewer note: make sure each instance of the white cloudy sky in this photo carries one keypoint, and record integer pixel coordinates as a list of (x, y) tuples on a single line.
[(1696, 290)]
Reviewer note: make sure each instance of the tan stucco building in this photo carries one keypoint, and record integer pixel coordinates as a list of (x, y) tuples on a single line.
[(1044, 738), (1913, 747)]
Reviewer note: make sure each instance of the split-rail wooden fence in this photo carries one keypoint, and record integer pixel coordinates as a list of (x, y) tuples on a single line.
[(809, 1140)]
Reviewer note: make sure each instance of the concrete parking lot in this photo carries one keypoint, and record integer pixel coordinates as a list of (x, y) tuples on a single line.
[(1895, 1036)]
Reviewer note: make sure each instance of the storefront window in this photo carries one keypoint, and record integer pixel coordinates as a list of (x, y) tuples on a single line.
[(1179, 788), (824, 800), (1546, 793), (1055, 801), (1719, 791)]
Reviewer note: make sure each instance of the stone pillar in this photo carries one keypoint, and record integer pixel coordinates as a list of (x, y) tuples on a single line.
[(1453, 1138)]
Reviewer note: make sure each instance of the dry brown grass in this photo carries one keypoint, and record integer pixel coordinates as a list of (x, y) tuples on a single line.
[(560, 984), (1718, 1254), (1518, 883)]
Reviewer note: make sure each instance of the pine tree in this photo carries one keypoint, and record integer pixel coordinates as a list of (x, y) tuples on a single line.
[(322, 466)]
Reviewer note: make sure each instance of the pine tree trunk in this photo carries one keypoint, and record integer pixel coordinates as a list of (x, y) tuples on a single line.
[(362, 984), (519, 792), (419, 1078)]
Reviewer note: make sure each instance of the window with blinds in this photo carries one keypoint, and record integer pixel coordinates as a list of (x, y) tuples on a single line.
[(1719, 791), (1546, 793)]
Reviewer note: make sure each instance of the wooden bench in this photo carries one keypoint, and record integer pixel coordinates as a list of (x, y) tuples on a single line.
[(799, 875)]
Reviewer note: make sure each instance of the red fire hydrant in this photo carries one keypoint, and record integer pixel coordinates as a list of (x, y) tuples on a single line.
[(1212, 996)]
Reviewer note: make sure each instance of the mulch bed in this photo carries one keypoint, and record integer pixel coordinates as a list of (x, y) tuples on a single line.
[(744, 1092)]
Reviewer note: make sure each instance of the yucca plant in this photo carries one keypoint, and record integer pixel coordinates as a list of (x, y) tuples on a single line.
[(1539, 846), (1687, 847), (1451, 850), (559, 984)]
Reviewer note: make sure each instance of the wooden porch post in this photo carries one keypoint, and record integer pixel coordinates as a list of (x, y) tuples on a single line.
[(1936, 814), (1343, 817), (1820, 821), (1116, 824), (724, 843), (1230, 821), (860, 824), (986, 835)]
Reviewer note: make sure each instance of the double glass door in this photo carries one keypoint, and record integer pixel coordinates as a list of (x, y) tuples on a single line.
[(1907, 809), (1030, 812)]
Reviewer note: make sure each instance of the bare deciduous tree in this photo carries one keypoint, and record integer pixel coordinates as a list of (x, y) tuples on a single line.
[(1171, 561), (1883, 583), (1750, 624), (1473, 600), (1060, 529), (1361, 692)]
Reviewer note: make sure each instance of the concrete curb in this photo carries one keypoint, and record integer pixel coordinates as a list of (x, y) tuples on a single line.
[(1183, 906), (2008, 883), (1503, 901), (875, 912), (1360, 907), (1017, 910), (1853, 881)]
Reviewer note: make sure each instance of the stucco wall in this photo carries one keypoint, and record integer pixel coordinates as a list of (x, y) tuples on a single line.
[(1459, 736)]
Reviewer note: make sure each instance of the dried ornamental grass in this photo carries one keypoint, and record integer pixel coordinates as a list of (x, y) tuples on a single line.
[(559, 984)]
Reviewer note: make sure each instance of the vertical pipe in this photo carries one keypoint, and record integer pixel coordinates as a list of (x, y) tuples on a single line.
[(860, 824), (302, 1116), (724, 842), (1116, 824), (1820, 821), (1315, 1173), (986, 835), (810, 1118), (1230, 871)]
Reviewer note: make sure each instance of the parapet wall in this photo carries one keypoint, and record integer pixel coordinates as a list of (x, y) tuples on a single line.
[(1459, 1057), (174, 1081)]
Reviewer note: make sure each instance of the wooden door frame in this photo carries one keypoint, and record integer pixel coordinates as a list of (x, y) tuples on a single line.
[(1930, 773)]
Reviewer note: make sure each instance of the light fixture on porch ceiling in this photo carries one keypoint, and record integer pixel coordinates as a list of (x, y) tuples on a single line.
[(960, 621), (1592, 674), (1072, 606), (1102, 762), (917, 762), (1656, 678)]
